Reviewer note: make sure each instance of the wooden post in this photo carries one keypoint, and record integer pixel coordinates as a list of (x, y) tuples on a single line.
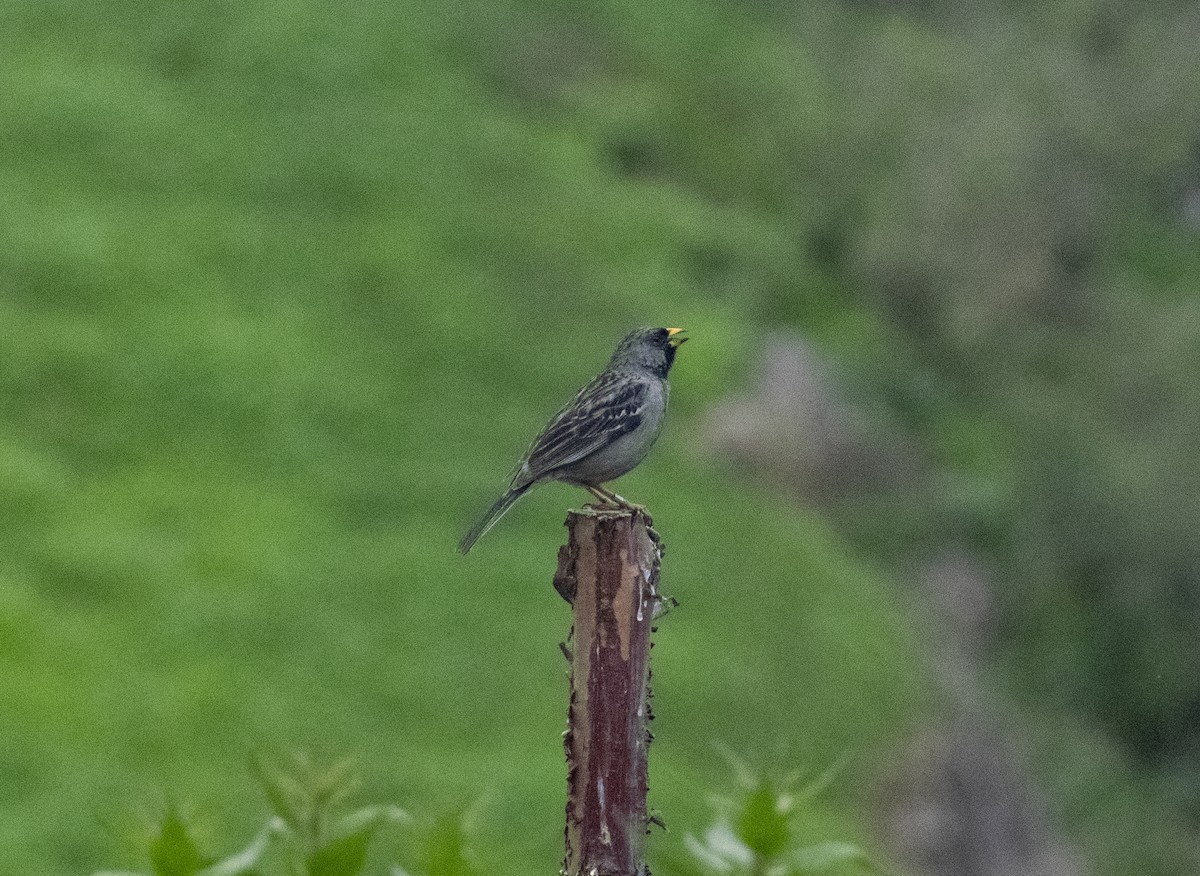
[(608, 571)]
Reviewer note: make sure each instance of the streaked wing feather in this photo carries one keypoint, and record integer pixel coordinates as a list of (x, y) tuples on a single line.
[(601, 412)]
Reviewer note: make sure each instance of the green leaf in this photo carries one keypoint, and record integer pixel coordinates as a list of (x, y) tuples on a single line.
[(173, 852), (444, 847), (825, 856), (244, 862), (763, 824), (369, 815), (741, 770), (284, 794), (721, 850), (339, 779), (824, 779), (344, 856)]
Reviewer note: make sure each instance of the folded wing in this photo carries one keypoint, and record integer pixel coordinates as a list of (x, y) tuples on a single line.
[(600, 413)]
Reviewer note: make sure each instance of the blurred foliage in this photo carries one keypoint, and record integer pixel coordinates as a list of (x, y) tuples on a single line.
[(1003, 236), (440, 848), (308, 834), (762, 832), (283, 290)]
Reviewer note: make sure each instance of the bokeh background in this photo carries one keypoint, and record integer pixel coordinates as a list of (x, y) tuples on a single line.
[(286, 286)]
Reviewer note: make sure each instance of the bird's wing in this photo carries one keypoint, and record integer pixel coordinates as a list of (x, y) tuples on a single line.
[(600, 413)]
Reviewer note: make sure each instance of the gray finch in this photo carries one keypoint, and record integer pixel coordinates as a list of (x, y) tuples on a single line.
[(604, 432)]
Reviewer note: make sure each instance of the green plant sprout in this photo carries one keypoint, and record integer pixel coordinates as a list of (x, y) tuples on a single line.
[(755, 832), (309, 833)]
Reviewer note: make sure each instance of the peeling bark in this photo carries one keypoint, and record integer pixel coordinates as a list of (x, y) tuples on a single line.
[(609, 573)]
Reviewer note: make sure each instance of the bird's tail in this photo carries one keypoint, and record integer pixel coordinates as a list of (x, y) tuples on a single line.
[(491, 517)]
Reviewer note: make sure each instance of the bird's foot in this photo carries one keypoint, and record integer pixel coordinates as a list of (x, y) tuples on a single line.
[(626, 505), (621, 501), (610, 500), (636, 510)]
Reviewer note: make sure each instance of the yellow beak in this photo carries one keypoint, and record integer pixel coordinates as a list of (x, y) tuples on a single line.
[(675, 336)]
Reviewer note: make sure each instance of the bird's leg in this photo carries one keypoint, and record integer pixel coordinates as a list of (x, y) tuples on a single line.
[(620, 501), (606, 498)]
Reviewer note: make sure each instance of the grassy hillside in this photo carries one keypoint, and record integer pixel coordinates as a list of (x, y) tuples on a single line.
[(286, 288), (283, 292)]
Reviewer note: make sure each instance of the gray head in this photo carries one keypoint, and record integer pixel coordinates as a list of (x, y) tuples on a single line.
[(651, 349)]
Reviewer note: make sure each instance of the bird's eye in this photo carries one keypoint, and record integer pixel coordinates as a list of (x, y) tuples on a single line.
[(663, 334)]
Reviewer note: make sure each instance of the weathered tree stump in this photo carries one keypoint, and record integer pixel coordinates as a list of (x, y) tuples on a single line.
[(608, 571)]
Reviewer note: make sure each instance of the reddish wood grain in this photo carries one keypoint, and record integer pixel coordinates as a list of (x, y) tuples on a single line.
[(609, 570)]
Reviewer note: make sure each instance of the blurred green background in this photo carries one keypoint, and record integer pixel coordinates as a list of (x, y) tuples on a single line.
[(285, 288)]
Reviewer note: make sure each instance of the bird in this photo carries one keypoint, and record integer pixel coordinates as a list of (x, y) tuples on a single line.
[(604, 431)]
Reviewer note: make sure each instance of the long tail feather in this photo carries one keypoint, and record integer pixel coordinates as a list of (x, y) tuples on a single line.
[(491, 517)]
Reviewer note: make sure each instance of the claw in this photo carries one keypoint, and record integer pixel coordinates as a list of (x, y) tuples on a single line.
[(609, 499)]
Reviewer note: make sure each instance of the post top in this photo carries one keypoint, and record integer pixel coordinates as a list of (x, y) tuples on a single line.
[(605, 511), (609, 512)]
